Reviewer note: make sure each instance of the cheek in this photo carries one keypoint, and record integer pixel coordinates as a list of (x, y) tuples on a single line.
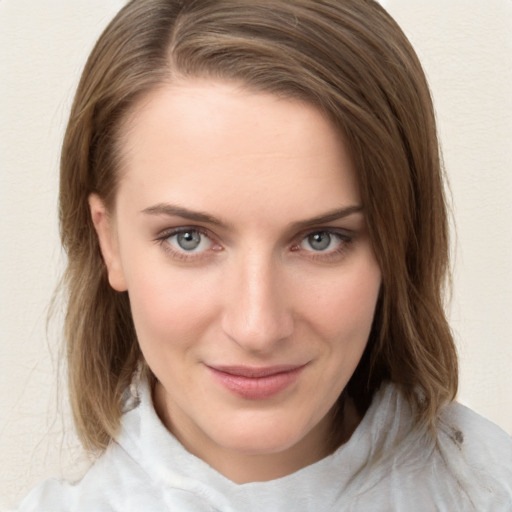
[(168, 307), (342, 308)]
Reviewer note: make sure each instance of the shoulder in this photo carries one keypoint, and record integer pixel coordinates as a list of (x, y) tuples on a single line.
[(482, 445), (468, 466), (102, 488), (477, 434), (139, 471), (478, 454)]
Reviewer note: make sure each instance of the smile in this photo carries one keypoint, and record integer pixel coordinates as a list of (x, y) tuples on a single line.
[(256, 383)]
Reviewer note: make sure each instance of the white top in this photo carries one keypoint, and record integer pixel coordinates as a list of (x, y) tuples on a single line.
[(387, 465)]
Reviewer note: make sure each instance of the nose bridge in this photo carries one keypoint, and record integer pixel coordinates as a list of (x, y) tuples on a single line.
[(257, 310)]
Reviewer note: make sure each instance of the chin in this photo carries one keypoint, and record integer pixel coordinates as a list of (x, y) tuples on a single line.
[(261, 436)]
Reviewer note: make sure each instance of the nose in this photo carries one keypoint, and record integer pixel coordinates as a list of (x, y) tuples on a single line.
[(257, 311)]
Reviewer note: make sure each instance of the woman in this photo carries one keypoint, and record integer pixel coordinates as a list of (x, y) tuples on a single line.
[(252, 206)]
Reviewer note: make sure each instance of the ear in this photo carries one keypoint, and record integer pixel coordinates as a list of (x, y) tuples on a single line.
[(107, 236)]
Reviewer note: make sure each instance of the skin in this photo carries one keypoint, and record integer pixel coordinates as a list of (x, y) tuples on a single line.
[(258, 290)]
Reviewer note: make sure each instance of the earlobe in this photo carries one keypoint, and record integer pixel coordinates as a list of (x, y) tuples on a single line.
[(109, 245)]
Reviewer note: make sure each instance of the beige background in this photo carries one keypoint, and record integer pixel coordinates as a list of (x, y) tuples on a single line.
[(466, 48)]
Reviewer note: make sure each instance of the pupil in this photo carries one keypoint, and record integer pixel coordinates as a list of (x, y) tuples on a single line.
[(189, 240), (319, 241)]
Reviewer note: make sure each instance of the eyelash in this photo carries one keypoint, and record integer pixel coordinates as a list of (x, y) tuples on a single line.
[(345, 240), (163, 238)]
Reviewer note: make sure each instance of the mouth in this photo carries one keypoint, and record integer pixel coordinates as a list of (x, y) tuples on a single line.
[(256, 383)]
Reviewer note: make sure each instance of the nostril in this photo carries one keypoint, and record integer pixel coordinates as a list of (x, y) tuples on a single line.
[(257, 327)]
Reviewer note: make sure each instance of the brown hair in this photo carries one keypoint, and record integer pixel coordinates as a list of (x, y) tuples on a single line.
[(351, 60)]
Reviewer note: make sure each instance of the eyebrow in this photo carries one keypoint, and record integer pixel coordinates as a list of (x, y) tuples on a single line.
[(198, 216), (172, 210), (330, 216)]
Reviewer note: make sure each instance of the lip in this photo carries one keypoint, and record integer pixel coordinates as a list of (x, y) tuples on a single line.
[(256, 383)]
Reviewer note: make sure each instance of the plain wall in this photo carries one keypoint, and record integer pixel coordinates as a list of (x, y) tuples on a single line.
[(466, 49)]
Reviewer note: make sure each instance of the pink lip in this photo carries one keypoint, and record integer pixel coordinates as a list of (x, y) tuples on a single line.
[(256, 383)]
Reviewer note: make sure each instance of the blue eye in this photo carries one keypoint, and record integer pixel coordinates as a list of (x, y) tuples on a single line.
[(190, 240), (321, 241)]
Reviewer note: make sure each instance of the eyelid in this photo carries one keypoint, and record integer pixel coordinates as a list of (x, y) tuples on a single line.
[(341, 232), (165, 234), (346, 237)]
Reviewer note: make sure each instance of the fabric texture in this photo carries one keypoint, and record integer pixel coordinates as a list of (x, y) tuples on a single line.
[(387, 465)]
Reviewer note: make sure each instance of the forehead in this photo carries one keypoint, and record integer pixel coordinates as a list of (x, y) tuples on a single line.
[(215, 142)]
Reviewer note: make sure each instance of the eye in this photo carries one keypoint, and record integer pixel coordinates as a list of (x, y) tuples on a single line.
[(189, 240), (322, 241)]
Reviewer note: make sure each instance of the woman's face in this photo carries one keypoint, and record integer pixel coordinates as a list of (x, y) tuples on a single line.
[(239, 235)]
